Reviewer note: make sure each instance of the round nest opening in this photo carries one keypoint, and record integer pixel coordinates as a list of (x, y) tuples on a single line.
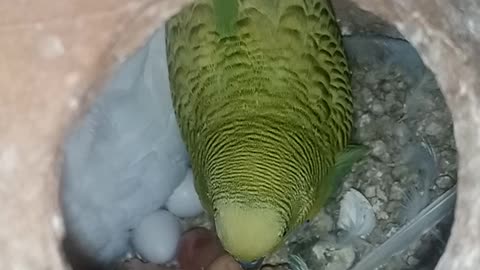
[(127, 193), (124, 161)]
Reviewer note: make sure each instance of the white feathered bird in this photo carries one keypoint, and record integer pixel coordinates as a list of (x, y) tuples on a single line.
[(125, 158)]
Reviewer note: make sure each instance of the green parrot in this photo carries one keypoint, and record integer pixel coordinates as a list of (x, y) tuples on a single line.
[(261, 91)]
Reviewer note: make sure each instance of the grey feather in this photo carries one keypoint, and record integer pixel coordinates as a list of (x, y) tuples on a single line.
[(421, 158), (422, 223), (296, 262), (356, 218)]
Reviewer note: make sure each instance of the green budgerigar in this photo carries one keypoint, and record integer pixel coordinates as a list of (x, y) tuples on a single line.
[(261, 90)]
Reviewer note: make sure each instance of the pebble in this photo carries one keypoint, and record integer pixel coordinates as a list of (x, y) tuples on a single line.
[(379, 148), (433, 129), (402, 133), (341, 259), (444, 182), (392, 206), (390, 98), (396, 192), (369, 192), (377, 109), (367, 95), (388, 87), (319, 250), (383, 215), (411, 260), (399, 172), (323, 222), (365, 120), (371, 78), (381, 194)]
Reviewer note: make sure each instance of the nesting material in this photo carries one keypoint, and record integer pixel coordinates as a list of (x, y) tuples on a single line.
[(398, 109), (399, 113), (356, 214)]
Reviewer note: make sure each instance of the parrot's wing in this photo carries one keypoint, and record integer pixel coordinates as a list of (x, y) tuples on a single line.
[(344, 162)]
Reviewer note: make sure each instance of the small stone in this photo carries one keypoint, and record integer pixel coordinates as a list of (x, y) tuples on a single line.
[(387, 87), (371, 78), (377, 109), (319, 250), (377, 206), (392, 206), (379, 174), (390, 98), (391, 231), (444, 182), (365, 120), (433, 129), (383, 215), (379, 149), (341, 259), (399, 172), (278, 257), (401, 85), (396, 192), (381, 194), (402, 133), (369, 192), (323, 222), (367, 95), (412, 260)]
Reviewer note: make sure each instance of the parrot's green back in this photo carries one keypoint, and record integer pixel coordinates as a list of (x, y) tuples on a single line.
[(261, 90)]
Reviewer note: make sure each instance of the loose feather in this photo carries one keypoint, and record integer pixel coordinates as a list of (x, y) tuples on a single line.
[(356, 216), (344, 162), (421, 158), (296, 262), (422, 223)]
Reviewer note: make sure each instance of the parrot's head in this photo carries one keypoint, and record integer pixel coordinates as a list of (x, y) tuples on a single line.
[(249, 233)]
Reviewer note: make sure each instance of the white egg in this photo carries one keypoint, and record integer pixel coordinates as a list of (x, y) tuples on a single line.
[(156, 237), (184, 201)]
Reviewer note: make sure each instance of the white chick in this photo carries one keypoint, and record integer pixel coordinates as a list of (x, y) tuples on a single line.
[(125, 158), (184, 201), (156, 237)]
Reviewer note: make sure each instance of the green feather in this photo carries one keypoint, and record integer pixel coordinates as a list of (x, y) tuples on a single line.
[(226, 13), (344, 162)]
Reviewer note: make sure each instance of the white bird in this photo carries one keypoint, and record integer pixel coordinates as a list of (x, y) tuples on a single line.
[(125, 158)]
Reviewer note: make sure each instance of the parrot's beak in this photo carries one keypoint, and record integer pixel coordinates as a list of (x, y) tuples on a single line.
[(253, 265)]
